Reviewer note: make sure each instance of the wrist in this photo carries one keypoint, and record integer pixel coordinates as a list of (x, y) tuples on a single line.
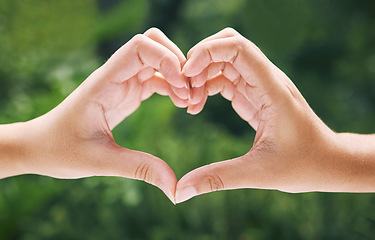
[(353, 158), (13, 149)]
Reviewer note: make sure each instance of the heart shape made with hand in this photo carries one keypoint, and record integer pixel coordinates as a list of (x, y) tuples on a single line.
[(226, 63), (229, 64)]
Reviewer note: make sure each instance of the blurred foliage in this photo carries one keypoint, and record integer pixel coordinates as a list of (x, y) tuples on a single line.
[(47, 48)]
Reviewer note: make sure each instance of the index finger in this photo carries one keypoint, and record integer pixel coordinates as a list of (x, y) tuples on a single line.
[(141, 52), (225, 33), (158, 36), (245, 57)]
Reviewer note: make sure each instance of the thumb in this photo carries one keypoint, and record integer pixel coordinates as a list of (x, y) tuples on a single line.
[(123, 162), (242, 172)]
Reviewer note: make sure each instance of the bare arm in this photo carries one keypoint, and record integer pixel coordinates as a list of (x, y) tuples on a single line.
[(356, 154), (293, 150), (12, 149), (74, 140)]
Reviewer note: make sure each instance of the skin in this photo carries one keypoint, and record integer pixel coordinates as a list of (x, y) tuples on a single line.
[(293, 150), (74, 140)]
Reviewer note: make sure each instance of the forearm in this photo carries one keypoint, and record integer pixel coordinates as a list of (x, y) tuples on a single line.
[(12, 149), (355, 158)]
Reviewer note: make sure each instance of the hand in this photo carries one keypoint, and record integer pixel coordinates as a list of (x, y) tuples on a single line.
[(292, 147), (74, 140)]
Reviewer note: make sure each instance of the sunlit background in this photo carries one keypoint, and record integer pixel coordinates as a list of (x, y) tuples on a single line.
[(47, 48)]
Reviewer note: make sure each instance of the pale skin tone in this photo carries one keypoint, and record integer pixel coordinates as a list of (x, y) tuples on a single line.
[(74, 140), (293, 151)]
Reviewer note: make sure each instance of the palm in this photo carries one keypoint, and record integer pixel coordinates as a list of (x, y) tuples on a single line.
[(81, 125)]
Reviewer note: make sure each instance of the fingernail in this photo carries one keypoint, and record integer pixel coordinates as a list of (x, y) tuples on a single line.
[(185, 194), (196, 80), (167, 192), (193, 81), (184, 69), (189, 109)]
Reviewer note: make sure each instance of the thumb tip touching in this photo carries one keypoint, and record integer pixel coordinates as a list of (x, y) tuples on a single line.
[(185, 194), (167, 191), (145, 167), (187, 188)]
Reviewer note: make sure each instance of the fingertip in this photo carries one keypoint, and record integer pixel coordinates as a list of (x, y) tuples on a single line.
[(179, 81), (158, 36), (185, 194), (182, 104), (171, 72), (182, 93), (190, 111), (193, 110), (200, 80), (186, 69), (197, 95), (197, 63), (182, 81), (188, 55), (168, 192), (184, 63), (178, 102), (165, 179)]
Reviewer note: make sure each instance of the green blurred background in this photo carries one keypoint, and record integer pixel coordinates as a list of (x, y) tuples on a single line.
[(47, 48)]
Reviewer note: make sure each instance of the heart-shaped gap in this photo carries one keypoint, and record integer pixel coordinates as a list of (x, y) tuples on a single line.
[(184, 141)]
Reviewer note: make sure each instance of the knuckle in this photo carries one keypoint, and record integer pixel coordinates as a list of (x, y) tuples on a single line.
[(153, 31), (240, 42), (143, 172), (230, 31), (168, 60), (138, 39), (215, 182)]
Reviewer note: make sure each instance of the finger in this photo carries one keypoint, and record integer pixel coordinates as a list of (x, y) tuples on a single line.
[(114, 160), (162, 59), (133, 92), (220, 84), (149, 72), (153, 85), (214, 69), (182, 93), (144, 52), (212, 87), (245, 57), (240, 102), (210, 71), (215, 51), (197, 108), (241, 88), (246, 110), (158, 85), (237, 173), (230, 72), (158, 36), (145, 74), (225, 33), (196, 95), (178, 102), (230, 32)]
